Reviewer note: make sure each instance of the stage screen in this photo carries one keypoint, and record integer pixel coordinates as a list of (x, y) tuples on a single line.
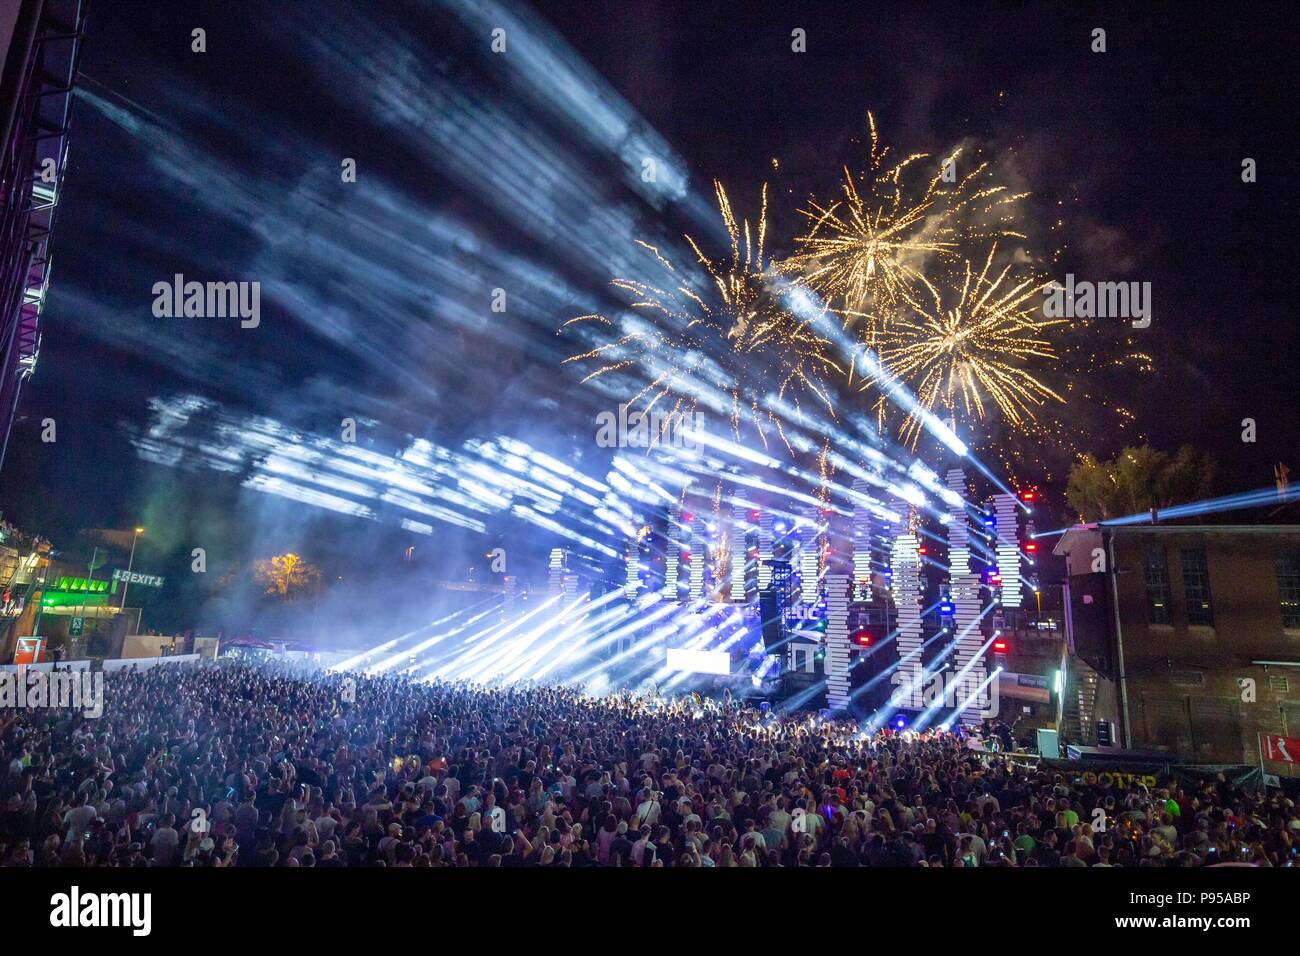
[(699, 662)]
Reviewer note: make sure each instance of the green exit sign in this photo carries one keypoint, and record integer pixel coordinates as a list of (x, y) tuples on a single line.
[(81, 585)]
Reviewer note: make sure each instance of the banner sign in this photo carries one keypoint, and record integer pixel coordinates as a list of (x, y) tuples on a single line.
[(1035, 681), (1279, 748), (1117, 779), (135, 577), (804, 612), (1024, 687), (1090, 774), (1134, 777)]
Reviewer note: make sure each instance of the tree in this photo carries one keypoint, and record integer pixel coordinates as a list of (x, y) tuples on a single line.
[(286, 576), (1137, 480)]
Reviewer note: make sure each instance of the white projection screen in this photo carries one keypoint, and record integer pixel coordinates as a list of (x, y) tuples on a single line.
[(699, 662)]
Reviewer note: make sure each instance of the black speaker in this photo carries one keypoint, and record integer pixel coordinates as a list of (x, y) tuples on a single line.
[(769, 615)]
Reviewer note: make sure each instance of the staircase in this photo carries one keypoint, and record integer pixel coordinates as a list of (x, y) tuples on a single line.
[(1078, 715), (11, 560), (13, 568)]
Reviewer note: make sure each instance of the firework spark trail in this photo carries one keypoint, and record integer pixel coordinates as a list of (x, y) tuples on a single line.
[(883, 293), (867, 253), (971, 342), (754, 341)]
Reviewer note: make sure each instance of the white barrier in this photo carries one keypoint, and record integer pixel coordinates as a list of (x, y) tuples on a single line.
[(113, 664), (144, 663)]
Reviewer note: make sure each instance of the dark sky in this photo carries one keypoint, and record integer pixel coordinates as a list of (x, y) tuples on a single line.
[(1143, 144), (225, 165)]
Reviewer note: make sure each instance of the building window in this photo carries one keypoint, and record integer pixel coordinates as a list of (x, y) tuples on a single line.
[(1196, 588), (1288, 587), (1157, 575)]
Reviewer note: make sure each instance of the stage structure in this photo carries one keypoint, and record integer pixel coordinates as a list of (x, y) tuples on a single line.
[(510, 593), (965, 595), (570, 589), (36, 96), (764, 549), (824, 574), (672, 552), (907, 588), (555, 572), (837, 640), (811, 541), (739, 552), (864, 544), (695, 553), (632, 562), (1005, 525)]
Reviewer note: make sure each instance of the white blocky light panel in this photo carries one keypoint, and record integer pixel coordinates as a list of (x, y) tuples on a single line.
[(837, 640)]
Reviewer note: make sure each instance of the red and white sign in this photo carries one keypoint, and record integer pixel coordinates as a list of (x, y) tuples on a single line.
[(1281, 749), (29, 650)]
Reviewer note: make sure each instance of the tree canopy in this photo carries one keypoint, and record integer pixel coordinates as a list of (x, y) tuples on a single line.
[(286, 576), (1137, 480)]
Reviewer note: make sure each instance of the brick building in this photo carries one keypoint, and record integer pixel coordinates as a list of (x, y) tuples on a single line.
[(1169, 625)]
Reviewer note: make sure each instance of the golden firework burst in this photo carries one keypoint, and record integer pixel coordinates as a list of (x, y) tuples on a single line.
[(737, 338), (981, 342), (868, 252)]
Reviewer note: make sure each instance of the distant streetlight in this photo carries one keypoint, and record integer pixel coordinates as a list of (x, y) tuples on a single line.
[(129, 564)]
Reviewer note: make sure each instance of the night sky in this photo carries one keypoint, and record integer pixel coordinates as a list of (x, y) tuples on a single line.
[(225, 165)]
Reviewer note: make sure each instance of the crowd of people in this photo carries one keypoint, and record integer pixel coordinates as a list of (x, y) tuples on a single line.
[(235, 764)]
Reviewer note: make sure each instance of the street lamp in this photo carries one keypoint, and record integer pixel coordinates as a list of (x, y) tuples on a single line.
[(129, 564)]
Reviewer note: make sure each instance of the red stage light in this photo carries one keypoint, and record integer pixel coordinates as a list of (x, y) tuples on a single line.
[(861, 638), (1000, 647)]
